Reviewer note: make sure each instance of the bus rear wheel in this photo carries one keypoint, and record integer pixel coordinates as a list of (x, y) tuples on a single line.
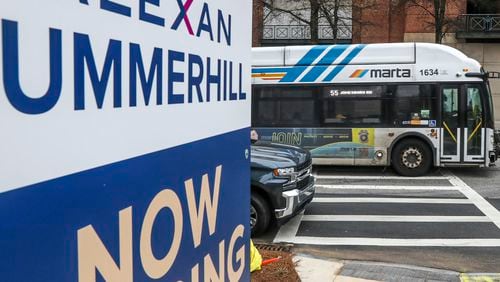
[(411, 157)]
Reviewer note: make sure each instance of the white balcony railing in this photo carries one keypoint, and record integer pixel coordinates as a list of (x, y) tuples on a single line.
[(291, 32)]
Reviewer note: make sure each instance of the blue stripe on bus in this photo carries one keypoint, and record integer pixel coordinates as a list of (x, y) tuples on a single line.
[(344, 62), (303, 63), (312, 55), (363, 73), (323, 64)]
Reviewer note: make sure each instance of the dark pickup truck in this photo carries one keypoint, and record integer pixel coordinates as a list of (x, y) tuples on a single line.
[(282, 184)]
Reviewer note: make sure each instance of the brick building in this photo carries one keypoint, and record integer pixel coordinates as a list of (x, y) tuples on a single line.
[(395, 22), (474, 29)]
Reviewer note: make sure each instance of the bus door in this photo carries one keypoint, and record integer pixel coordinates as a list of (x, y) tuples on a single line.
[(474, 129), (462, 128)]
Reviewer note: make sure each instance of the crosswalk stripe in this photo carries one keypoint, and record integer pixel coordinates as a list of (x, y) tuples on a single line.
[(387, 187), (396, 242), (483, 205), (364, 177), (289, 230), (393, 200), (395, 218)]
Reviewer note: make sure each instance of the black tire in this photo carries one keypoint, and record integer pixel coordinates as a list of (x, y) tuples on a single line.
[(260, 213), (411, 157)]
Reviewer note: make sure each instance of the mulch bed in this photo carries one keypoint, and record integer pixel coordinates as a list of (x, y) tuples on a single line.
[(282, 270)]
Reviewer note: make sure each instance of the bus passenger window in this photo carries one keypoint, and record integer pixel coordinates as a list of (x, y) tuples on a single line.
[(297, 112), (266, 113), (474, 121), (414, 105), (474, 107), (353, 105), (287, 106)]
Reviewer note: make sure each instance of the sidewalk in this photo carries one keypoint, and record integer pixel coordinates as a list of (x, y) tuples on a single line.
[(312, 269)]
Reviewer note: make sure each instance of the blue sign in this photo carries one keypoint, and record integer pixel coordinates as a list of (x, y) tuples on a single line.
[(125, 139)]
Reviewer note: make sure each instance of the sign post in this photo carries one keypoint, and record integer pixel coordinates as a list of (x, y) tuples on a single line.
[(124, 150)]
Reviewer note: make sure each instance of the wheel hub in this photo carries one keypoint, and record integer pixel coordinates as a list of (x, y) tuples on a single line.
[(412, 157), (253, 217)]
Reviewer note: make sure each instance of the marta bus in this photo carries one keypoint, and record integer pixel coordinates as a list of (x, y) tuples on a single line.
[(408, 105)]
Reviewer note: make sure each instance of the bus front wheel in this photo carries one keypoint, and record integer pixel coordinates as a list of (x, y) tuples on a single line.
[(411, 157)]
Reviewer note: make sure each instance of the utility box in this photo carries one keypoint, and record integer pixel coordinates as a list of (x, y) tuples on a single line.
[(124, 140)]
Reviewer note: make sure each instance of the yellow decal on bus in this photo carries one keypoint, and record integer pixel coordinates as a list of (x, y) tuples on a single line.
[(365, 136)]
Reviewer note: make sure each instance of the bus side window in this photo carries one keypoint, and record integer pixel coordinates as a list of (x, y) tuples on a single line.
[(286, 106), (474, 118), (474, 106), (348, 106), (264, 107), (413, 104), (450, 106)]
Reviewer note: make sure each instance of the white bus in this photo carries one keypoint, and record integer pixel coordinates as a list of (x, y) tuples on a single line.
[(408, 105)]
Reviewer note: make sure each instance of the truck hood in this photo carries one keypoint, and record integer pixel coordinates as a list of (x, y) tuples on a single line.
[(270, 155)]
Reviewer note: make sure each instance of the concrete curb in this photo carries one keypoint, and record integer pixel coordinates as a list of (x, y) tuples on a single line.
[(397, 272), (312, 269), (315, 269)]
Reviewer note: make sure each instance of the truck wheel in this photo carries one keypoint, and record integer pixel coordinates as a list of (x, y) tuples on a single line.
[(411, 157), (259, 214)]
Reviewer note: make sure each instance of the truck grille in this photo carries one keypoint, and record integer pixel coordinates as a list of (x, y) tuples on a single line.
[(304, 173), (302, 184), (304, 165)]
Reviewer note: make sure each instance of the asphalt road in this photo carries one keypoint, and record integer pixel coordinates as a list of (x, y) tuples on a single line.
[(448, 219)]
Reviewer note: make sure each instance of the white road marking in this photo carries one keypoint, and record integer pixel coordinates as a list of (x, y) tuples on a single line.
[(364, 177), (387, 187), (483, 205), (289, 230), (393, 200), (395, 218), (414, 242)]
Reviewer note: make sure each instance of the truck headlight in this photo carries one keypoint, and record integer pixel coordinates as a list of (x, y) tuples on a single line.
[(284, 172)]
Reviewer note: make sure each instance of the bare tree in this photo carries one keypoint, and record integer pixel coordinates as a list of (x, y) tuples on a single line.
[(337, 14), (334, 12), (331, 12), (437, 11), (306, 12)]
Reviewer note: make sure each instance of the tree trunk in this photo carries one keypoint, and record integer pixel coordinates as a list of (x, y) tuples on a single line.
[(257, 23), (335, 26), (313, 24), (439, 16)]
